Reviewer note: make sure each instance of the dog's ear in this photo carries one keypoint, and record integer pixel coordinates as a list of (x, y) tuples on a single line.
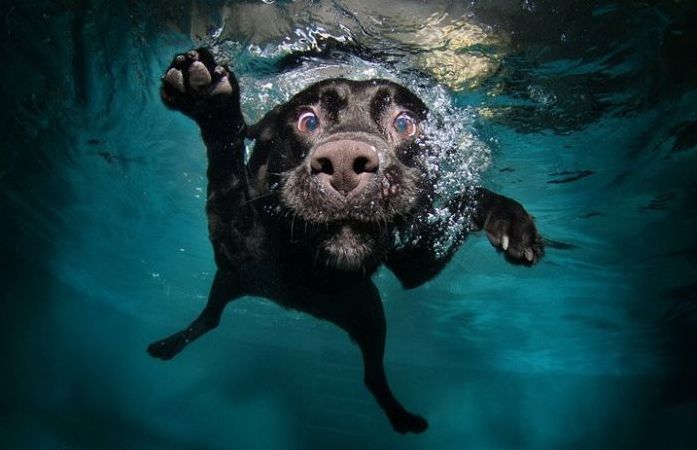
[(266, 125), (264, 133)]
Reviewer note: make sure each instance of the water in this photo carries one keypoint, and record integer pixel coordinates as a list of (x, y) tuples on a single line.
[(584, 112)]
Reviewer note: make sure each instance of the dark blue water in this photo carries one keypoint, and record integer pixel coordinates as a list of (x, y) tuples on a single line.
[(586, 113)]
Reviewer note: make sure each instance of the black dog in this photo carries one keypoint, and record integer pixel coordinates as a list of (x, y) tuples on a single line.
[(336, 175)]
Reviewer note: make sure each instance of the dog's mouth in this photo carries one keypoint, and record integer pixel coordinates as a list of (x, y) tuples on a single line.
[(345, 245), (351, 246), (393, 193), (345, 232)]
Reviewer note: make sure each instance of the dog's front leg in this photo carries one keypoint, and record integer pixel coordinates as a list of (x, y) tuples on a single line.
[(207, 92)]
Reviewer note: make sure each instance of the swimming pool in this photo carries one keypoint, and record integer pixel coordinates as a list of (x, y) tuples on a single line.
[(585, 113)]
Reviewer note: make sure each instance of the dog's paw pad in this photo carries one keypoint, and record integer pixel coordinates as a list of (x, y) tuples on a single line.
[(223, 86), (175, 78), (195, 84), (199, 76)]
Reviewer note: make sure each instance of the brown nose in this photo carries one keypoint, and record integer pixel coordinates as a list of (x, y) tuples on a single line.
[(345, 165)]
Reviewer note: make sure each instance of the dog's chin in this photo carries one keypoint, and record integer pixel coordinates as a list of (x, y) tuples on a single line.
[(349, 249)]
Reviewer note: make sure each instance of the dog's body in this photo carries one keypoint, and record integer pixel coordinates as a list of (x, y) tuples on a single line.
[(337, 173)]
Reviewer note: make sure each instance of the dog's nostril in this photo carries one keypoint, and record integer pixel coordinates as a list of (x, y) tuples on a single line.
[(359, 164), (322, 165), (362, 164)]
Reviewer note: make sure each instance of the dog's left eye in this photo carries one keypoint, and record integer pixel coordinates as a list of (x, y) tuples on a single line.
[(308, 122), (405, 124)]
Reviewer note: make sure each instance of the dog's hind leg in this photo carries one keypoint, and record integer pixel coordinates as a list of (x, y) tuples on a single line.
[(359, 312), (223, 290)]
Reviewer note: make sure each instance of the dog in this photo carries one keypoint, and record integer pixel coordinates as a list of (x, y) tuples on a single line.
[(334, 184)]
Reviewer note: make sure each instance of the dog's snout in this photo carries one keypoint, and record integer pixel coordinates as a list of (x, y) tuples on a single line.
[(345, 165)]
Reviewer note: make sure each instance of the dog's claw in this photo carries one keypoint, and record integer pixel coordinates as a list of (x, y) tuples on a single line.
[(529, 254), (504, 242)]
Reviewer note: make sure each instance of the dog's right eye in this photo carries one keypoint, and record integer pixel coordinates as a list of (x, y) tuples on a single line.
[(308, 122)]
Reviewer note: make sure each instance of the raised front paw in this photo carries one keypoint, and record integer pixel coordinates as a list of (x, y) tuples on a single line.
[(512, 230), (195, 85)]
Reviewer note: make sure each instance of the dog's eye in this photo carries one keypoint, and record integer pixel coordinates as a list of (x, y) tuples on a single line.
[(405, 124), (308, 122)]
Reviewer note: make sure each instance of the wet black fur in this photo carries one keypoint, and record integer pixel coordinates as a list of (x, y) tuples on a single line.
[(269, 226)]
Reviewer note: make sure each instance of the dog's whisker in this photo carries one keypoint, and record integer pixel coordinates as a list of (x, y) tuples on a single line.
[(253, 199), (292, 225)]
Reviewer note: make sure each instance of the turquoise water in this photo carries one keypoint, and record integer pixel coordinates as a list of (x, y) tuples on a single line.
[(585, 113)]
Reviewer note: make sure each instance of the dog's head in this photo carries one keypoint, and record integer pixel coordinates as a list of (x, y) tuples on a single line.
[(344, 158)]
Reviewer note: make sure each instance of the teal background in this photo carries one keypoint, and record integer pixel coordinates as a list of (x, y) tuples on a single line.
[(104, 249)]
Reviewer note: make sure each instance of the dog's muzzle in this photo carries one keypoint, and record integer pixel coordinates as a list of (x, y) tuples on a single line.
[(345, 166)]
